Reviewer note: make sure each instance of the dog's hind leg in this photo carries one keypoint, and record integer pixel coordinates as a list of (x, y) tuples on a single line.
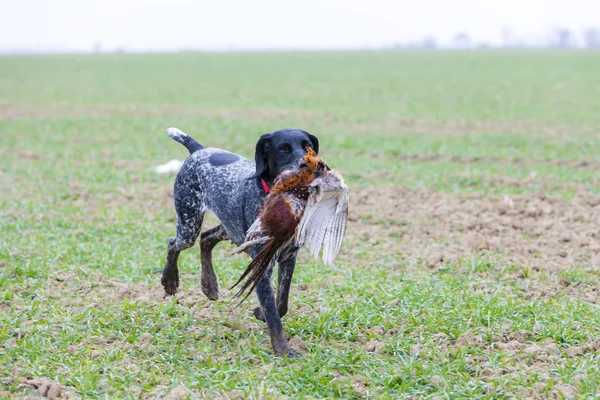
[(189, 223), (170, 275), (208, 240)]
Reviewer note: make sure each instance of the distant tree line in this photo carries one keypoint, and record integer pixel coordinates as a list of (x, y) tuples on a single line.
[(558, 38)]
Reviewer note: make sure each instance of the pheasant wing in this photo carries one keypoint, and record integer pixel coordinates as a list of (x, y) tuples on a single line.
[(323, 223)]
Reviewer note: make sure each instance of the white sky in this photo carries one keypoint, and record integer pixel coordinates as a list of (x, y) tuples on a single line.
[(158, 25)]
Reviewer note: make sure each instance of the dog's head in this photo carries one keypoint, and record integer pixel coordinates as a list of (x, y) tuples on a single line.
[(281, 151)]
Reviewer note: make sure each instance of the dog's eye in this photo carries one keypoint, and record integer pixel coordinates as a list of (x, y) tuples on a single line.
[(286, 148)]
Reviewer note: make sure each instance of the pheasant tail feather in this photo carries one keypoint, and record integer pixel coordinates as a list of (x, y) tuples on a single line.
[(257, 268)]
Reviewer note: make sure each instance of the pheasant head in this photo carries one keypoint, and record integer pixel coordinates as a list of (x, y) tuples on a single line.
[(291, 181)]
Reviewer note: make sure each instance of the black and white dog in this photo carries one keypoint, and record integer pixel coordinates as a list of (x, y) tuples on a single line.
[(233, 188)]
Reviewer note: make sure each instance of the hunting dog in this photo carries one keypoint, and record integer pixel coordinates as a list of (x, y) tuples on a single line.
[(233, 188)]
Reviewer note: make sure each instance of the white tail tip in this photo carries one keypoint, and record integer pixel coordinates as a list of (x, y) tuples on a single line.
[(175, 133)]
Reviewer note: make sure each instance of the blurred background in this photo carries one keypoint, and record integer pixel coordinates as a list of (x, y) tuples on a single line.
[(181, 25)]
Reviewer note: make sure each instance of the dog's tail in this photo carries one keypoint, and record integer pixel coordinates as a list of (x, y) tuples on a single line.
[(179, 136)]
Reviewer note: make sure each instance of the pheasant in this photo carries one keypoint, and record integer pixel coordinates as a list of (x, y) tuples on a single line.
[(310, 207)]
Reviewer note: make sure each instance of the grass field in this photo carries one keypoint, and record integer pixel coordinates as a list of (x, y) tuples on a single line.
[(470, 267)]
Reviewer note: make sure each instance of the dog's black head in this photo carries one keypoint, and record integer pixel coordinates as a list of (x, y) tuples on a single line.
[(280, 151)]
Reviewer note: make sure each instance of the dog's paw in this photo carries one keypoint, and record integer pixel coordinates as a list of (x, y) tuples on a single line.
[(211, 292), (171, 284), (285, 352), (210, 287)]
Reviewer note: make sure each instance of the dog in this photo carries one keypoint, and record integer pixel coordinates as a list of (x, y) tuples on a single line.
[(233, 188)]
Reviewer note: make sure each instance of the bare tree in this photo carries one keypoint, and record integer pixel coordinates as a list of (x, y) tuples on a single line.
[(561, 38), (429, 43), (462, 40), (564, 38), (592, 38)]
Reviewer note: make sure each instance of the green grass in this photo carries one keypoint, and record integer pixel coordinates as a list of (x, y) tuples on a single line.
[(84, 223)]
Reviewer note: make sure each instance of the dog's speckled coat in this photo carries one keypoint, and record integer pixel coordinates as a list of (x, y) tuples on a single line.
[(230, 186)]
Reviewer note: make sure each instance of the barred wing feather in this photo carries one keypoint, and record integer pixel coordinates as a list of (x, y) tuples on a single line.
[(323, 223)]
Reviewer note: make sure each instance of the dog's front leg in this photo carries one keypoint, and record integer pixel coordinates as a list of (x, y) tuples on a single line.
[(266, 299), (285, 272)]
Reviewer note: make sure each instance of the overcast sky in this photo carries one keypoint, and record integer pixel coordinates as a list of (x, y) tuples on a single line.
[(158, 25)]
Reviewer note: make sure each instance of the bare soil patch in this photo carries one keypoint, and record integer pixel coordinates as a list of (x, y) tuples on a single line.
[(527, 359), (47, 389), (534, 232)]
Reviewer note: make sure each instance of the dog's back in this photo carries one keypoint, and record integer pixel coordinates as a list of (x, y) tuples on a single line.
[(220, 183)]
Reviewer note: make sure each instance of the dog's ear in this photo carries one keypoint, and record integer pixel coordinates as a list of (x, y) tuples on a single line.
[(314, 141), (260, 156)]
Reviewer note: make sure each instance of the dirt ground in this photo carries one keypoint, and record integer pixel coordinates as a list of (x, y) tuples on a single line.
[(536, 232)]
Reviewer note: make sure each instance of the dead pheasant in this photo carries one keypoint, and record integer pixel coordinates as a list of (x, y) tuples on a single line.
[(310, 207)]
